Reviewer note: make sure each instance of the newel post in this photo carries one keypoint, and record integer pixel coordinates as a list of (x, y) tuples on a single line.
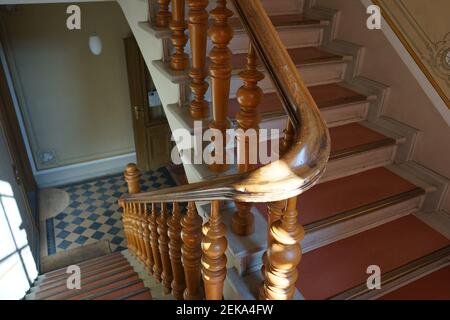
[(130, 219), (132, 177)]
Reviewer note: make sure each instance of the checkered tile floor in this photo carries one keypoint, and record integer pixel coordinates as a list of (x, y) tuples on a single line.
[(93, 213)]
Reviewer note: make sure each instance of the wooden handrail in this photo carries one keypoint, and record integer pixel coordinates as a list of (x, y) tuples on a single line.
[(301, 166)]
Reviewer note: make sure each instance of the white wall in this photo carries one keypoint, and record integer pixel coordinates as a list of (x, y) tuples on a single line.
[(74, 104), (407, 102)]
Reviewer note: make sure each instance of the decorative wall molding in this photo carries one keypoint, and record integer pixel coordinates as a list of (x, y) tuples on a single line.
[(430, 90)]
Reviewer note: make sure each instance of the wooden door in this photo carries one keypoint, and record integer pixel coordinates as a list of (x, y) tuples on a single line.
[(151, 130)]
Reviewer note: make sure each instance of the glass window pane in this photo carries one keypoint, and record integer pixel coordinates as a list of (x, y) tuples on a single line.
[(30, 265), (6, 240), (13, 280), (5, 188), (15, 220)]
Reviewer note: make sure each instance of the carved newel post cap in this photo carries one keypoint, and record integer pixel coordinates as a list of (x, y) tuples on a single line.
[(132, 175)]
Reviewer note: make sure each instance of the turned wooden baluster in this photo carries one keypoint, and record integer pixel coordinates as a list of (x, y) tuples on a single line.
[(220, 70), (198, 24), (163, 240), (281, 287), (275, 211), (154, 241), (214, 260), (191, 235), (284, 255), (149, 262), (249, 97), (138, 232), (175, 243), (163, 15), (132, 176), (179, 59), (126, 221)]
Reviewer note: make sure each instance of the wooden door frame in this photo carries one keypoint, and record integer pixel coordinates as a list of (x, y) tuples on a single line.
[(10, 123)]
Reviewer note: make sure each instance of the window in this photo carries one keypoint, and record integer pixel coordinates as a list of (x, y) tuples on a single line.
[(17, 266)]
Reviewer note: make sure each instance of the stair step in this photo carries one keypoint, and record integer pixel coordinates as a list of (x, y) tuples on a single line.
[(354, 193), (354, 148), (282, 20), (325, 96), (300, 56), (354, 137), (85, 270), (143, 294), (342, 265), (100, 286), (434, 286), (86, 279), (85, 264), (123, 292), (295, 30)]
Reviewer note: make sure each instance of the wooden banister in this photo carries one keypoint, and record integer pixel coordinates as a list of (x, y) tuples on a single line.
[(306, 149)]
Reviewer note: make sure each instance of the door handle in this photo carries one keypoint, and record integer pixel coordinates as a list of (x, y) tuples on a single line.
[(137, 110)]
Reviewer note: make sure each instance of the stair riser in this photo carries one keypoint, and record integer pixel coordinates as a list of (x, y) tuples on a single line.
[(294, 37), (335, 116), (318, 238), (343, 167)]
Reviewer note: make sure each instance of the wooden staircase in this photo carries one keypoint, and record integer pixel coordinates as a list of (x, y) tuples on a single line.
[(109, 277), (372, 206)]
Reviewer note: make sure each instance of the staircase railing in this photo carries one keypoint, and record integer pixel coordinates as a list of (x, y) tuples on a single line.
[(177, 249)]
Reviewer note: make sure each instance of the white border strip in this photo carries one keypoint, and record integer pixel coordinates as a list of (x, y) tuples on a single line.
[(83, 171), (423, 81)]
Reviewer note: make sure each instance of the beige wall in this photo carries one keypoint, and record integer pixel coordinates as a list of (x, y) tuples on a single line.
[(74, 104), (407, 102)]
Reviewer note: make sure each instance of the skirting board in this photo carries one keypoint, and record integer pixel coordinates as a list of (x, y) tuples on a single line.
[(83, 171)]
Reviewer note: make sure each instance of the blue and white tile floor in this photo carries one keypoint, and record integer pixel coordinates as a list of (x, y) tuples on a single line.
[(93, 213)]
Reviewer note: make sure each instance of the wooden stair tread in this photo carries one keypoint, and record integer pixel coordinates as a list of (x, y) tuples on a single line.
[(349, 193), (85, 264), (340, 266), (122, 293), (353, 137), (434, 286), (107, 277), (87, 270), (326, 95), (108, 281), (283, 20), (86, 279), (300, 56)]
